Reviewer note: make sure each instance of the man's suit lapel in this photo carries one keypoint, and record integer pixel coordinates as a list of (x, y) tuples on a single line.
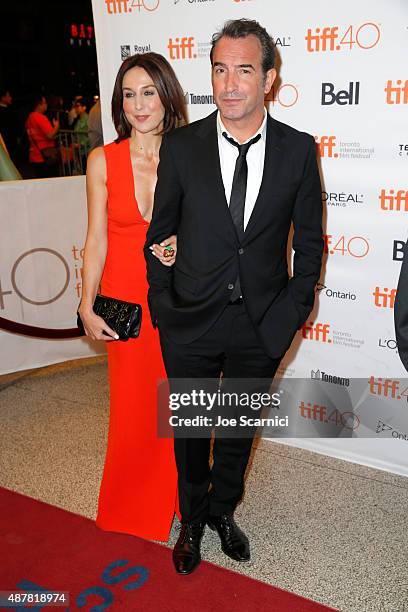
[(273, 160)]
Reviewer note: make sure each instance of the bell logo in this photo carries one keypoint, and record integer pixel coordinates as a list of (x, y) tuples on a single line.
[(396, 94), (384, 298), (393, 202), (326, 146), (316, 331), (181, 48), (398, 250), (343, 97)]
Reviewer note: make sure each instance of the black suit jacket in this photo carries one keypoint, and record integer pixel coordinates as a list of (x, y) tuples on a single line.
[(185, 300), (401, 311)]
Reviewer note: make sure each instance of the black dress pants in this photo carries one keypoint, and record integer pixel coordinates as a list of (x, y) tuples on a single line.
[(232, 348)]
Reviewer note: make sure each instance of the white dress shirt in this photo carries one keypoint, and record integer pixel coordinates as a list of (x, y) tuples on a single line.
[(255, 159)]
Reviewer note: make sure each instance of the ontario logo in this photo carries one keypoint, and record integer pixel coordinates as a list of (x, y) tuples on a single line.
[(331, 293), (118, 7), (331, 38), (384, 427)]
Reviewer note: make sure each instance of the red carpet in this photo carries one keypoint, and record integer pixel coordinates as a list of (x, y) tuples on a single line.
[(45, 547)]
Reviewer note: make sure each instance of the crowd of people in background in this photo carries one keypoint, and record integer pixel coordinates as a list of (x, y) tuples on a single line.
[(43, 137)]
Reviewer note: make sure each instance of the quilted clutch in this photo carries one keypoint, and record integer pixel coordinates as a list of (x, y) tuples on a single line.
[(124, 318)]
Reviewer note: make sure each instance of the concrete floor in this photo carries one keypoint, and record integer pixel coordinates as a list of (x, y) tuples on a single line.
[(330, 530)]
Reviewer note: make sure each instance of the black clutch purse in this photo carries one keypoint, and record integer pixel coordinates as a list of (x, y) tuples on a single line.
[(125, 318)]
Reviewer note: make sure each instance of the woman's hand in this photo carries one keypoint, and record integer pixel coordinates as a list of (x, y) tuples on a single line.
[(95, 327), (165, 251)]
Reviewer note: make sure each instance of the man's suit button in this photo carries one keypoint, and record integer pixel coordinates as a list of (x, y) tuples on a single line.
[(240, 251), (230, 286)]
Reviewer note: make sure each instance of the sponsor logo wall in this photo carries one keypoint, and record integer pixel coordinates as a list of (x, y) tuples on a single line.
[(343, 80)]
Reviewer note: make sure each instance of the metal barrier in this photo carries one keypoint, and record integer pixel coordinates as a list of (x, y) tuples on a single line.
[(74, 148)]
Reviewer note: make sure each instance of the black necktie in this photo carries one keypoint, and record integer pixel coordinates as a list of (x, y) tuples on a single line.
[(238, 195)]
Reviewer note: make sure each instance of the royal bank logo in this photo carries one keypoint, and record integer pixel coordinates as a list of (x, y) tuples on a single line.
[(128, 50)]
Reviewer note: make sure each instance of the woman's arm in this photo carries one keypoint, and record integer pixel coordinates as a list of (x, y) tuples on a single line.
[(95, 246)]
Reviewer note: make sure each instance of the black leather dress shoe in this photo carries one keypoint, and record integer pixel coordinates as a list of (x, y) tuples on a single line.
[(234, 542), (186, 553)]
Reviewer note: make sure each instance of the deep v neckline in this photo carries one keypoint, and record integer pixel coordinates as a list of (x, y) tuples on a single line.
[(133, 184)]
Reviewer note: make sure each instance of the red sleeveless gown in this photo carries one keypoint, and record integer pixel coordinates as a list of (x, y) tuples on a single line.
[(139, 484)]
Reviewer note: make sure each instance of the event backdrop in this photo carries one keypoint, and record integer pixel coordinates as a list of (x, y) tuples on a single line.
[(343, 78)]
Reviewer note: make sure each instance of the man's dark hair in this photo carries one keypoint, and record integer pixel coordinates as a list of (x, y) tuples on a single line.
[(4, 91), (241, 28)]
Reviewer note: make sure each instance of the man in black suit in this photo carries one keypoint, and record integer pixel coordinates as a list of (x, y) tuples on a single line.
[(229, 186)]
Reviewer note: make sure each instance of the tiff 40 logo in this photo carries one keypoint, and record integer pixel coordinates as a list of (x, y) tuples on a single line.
[(117, 7), (330, 38), (356, 246)]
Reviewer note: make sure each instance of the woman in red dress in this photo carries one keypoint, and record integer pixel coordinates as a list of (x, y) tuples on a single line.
[(139, 484)]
